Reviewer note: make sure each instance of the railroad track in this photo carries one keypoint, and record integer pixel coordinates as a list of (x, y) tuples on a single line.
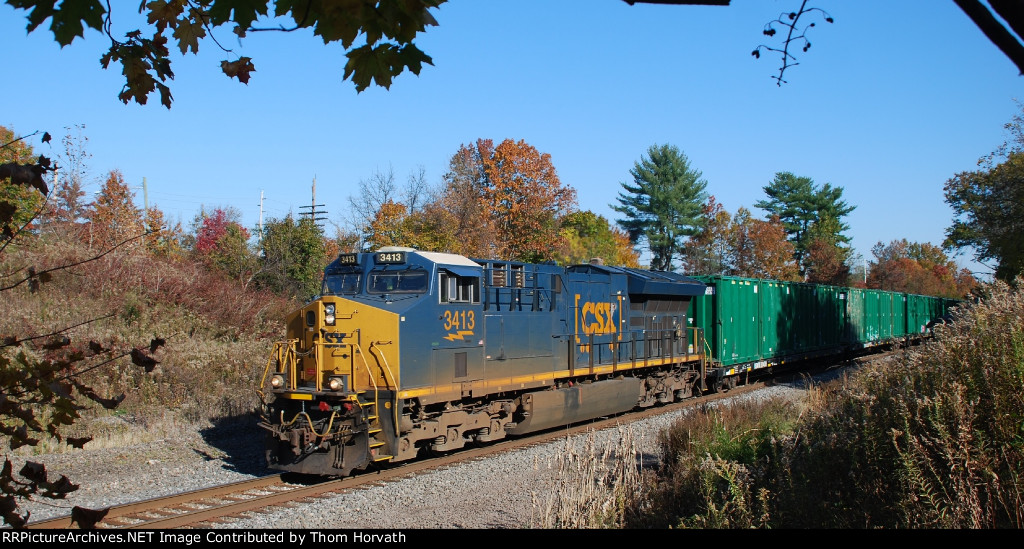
[(217, 505)]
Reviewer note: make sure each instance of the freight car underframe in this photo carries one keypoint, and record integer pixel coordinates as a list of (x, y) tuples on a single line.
[(338, 432), (723, 378)]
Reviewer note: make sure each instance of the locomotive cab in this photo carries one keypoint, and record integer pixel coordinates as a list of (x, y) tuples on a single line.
[(331, 390)]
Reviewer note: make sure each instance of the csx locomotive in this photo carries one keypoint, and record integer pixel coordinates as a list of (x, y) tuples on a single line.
[(408, 351)]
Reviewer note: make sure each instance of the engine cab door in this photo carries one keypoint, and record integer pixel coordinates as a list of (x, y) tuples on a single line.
[(457, 356)]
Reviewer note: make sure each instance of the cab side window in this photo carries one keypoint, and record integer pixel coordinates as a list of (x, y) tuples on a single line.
[(459, 289)]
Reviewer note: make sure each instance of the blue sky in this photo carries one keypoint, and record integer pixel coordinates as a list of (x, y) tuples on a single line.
[(892, 100)]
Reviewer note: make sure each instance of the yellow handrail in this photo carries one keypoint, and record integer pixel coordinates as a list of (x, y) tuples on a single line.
[(394, 383)]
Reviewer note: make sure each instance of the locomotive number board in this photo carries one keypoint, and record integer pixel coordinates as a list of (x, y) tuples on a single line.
[(389, 258)]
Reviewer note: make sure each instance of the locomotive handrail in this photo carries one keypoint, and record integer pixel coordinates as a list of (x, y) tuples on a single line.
[(373, 380), (284, 352), (394, 383)]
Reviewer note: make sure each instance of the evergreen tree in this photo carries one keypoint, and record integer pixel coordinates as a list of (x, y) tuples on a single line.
[(799, 203), (664, 205)]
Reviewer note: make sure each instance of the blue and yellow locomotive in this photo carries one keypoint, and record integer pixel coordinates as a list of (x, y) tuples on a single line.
[(406, 350)]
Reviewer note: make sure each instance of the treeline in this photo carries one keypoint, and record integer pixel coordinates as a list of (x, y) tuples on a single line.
[(498, 201)]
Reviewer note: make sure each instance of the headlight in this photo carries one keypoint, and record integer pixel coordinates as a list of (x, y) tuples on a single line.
[(277, 381), (336, 383), (329, 314)]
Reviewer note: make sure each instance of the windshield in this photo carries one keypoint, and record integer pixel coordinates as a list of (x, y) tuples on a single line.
[(342, 283), (397, 282)]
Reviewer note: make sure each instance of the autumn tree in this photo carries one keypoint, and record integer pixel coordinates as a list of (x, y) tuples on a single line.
[(41, 386), (663, 205), (387, 227), (113, 216), (222, 244), (381, 188), (799, 203), (459, 218), (586, 236), (918, 268), (525, 199), (710, 251), (761, 249), (161, 239), (19, 203), (826, 261)]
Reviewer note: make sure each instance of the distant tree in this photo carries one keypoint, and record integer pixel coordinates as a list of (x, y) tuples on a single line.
[(382, 188), (18, 202), (711, 250), (760, 248), (664, 205), (988, 215), (222, 244), (827, 258), (586, 236), (293, 257), (387, 227), (525, 199), (919, 268), (113, 216), (460, 219), (161, 239), (799, 203)]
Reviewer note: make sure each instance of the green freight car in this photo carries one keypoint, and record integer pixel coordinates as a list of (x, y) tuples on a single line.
[(751, 324)]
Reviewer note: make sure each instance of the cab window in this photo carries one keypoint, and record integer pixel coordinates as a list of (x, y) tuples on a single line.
[(459, 289), (342, 283), (397, 282)]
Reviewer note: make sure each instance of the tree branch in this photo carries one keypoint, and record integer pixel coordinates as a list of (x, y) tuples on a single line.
[(994, 30)]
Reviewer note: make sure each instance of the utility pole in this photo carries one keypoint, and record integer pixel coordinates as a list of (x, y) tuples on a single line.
[(259, 227), (145, 194), (313, 213)]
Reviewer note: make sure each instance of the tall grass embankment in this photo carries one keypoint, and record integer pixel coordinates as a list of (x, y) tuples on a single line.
[(931, 439)]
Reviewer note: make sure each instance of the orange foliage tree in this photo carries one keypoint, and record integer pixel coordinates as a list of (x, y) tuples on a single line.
[(504, 202), (761, 248), (113, 217), (919, 268), (710, 251), (525, 199)]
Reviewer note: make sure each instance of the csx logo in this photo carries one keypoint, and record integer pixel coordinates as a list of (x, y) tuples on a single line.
[(596, 318)]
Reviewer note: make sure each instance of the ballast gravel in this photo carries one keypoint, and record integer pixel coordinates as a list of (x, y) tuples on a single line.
[(506, 491)]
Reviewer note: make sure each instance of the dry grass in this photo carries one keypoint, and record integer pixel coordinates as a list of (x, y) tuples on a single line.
[(934, 439), (596, 485), (218, 336)]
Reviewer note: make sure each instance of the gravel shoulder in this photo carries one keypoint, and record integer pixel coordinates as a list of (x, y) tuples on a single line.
[(510, 490)]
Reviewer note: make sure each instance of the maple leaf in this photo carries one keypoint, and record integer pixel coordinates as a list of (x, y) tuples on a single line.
[(238, 69), (189, 32), (244, 13)]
